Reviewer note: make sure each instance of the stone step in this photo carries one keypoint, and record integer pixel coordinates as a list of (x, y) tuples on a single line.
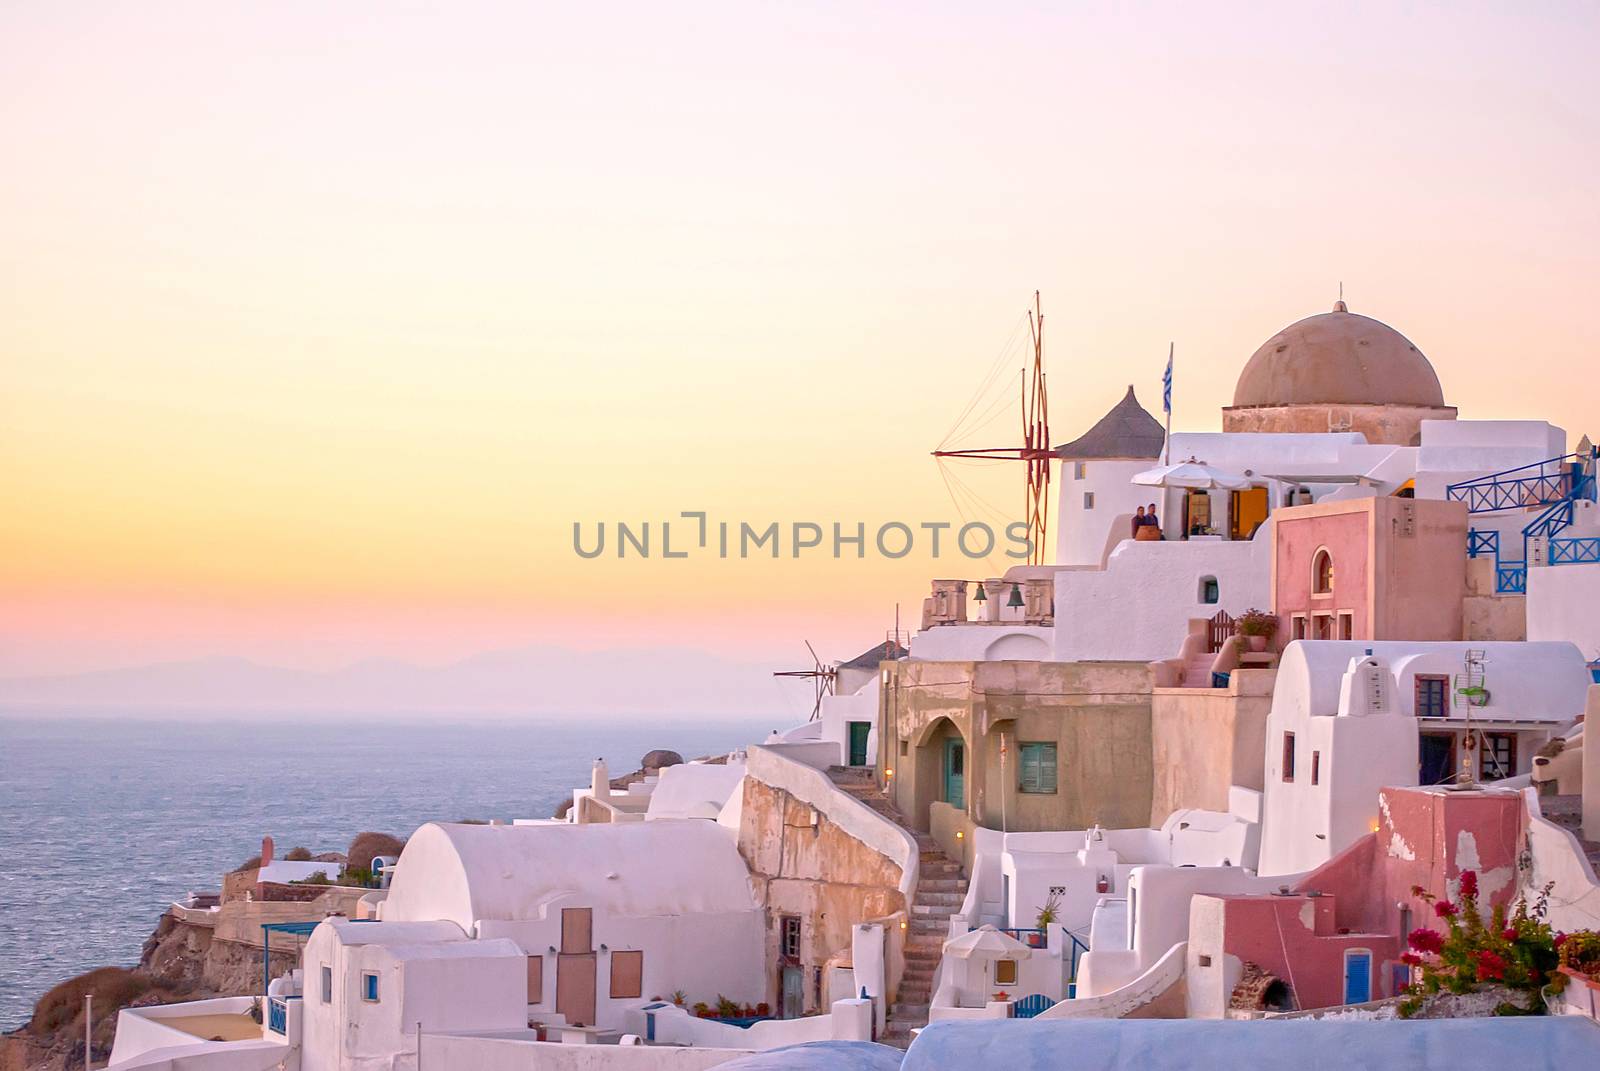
[(929, 897), (941, 885)]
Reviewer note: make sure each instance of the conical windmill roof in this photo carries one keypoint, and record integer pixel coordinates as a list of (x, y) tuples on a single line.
[(1128, 431)]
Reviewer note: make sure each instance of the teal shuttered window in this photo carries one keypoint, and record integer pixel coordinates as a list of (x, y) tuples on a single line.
[(1038, 768)]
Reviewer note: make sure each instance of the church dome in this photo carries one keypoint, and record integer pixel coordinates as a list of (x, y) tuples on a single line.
[(1338, 358)]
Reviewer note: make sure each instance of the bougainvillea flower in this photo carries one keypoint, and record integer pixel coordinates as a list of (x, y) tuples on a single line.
[(1490, 965), (1444, 909), (1469, 884), (1426, 940)]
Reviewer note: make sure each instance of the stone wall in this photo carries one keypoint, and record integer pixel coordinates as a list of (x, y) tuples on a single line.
[(1097, 714), (802, 863)]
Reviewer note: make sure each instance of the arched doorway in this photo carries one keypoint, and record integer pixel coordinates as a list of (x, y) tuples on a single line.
[(943, 770)]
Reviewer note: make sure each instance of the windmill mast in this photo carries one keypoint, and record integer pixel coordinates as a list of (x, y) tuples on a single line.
[(1035, 451)]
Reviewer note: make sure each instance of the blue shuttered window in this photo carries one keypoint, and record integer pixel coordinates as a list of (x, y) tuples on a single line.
[(369, 987), (1038, 768)]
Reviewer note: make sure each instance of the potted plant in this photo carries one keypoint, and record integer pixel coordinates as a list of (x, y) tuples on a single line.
[(1257, 627), (1048, 914), (1002, 996), (1580, 958), (1512, 952), (702, 1010), (764, 1010), (679, 996)]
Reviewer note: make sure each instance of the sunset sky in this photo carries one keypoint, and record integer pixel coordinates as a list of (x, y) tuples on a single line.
[(320, 324)]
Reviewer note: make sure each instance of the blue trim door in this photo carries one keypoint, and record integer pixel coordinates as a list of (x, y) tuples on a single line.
[(1357, 976)]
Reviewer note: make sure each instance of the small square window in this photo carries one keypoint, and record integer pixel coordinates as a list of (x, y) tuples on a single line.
[(789, 937), (1079, 469), (327, 984), (1037, 773), (905, 748), (627, 975), (1288, 756), (369, 988), (1088, 500), (1005, 972), (1316, 767), (1433, 696)]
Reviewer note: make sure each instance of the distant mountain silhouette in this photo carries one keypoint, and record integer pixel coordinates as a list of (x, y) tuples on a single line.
[(531, 680)]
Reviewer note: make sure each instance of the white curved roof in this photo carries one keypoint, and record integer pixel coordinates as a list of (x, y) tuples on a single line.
[(465, 873), (1536, 681)]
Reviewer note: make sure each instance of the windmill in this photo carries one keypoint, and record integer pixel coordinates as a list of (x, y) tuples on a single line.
[(1034, 453), (822, 678)]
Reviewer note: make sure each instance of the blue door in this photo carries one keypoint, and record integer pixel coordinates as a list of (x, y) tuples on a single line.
[(955, 773), (1357, 977)]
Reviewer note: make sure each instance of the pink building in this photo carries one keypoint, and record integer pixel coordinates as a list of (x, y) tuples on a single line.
[(1336, 935), (1370, 569)]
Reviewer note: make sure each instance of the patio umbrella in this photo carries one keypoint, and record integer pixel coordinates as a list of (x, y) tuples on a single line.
[(1192, 475), (986, 942)]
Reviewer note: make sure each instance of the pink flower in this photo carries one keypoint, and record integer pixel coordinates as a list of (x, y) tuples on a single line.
[(1411, 959), (1469, 884), (1560, 939), (1490, 966), (1426, 940), (1444, 909), (1509, 934)]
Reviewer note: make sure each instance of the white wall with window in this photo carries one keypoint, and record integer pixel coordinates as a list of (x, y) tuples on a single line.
[(377, 980), (1350, 718)]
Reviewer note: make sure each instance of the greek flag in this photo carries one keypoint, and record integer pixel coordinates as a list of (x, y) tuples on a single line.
[(1166, 385)]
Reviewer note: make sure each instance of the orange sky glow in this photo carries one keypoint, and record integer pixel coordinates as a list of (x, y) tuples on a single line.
[(321, 325)]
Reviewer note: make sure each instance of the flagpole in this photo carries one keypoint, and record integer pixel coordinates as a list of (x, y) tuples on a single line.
[(1167, 392)]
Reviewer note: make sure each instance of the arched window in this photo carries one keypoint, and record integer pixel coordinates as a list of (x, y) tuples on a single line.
[(1322, 573)]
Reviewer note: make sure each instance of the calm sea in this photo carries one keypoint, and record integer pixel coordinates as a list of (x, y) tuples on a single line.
[(104, 822)]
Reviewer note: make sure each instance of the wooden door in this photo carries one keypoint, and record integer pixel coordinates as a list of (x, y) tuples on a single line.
[(575, 987), (793, 1002), (577, 930)]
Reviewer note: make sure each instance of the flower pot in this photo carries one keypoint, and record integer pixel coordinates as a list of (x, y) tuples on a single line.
[(1257, 643)]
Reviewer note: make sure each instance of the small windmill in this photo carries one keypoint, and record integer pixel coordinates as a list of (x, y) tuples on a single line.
[(822, 678)]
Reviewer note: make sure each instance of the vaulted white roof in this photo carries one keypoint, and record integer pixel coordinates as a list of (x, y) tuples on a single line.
[(466, 873)]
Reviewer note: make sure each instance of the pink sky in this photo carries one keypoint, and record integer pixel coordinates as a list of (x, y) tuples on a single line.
[(321, 325)]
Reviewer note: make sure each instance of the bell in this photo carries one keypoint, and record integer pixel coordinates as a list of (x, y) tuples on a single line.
[(1016, 596), (980, 595)]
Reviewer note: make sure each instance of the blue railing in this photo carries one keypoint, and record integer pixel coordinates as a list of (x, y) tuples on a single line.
[(1538, 484), (278, 1016), (1032, 936), (1029, 1006), (1511, 578), (1558, 484), (1582, 550)]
